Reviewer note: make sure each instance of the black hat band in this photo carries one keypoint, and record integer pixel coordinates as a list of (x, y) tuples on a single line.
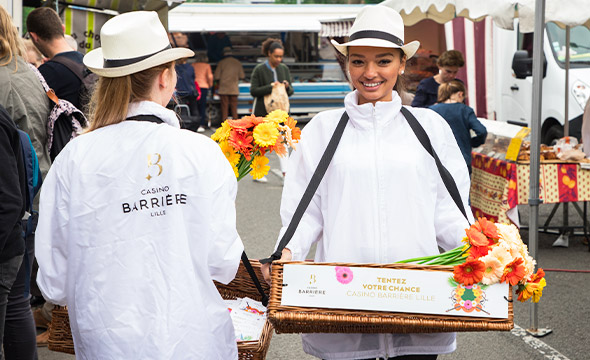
[(374, 34), (113, 63)]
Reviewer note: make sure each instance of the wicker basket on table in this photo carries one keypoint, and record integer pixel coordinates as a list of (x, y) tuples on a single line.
[(291, 319), (60, 335)]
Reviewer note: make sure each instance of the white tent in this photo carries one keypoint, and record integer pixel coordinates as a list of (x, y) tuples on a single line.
[(532, 15)]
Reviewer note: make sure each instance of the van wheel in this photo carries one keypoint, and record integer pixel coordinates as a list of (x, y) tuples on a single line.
[(553, 133), (214, 114)]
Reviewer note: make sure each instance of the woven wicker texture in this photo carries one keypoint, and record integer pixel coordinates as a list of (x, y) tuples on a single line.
[(60, 335), (292, 319)]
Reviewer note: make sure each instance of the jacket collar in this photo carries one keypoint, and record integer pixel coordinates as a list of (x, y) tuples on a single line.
[(367, 116), (152, 108)]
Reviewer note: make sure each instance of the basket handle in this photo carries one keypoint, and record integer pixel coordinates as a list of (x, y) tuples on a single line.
[(250, 270), (313, 185)]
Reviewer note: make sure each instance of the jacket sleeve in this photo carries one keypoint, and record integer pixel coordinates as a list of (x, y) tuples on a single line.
[(11, 200), (51, 241), (290, 90), (420, 97), (257, 86), (225, 246), (300, 169), (450, 224), (474, 124)]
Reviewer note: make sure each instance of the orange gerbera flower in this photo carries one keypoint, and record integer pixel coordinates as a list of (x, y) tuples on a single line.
[(470, 272), (242, 142), (537, 276), (475, 236), (488, 228), (513, 272), (242, 124), (478, 251), (280, 148)]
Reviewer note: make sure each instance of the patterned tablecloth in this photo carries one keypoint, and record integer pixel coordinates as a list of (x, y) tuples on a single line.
[(498, 186)]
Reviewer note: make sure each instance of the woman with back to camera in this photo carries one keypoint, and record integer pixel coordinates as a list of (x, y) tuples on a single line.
[(448, 64), (379, 200), (137, 215), (460, 117)]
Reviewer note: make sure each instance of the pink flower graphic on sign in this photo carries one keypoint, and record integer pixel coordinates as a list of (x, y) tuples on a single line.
[(343, 274)]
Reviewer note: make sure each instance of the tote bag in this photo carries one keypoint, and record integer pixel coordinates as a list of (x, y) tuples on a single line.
[(277, 99)]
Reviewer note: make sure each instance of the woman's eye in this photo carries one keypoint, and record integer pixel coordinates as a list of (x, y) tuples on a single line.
[(384, 62), (357, 62)]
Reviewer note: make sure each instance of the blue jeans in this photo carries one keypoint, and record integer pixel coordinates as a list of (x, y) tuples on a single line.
[(8, 271)]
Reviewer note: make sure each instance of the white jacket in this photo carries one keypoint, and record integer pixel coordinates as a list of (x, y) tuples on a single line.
[(381, 200), (136, 219)]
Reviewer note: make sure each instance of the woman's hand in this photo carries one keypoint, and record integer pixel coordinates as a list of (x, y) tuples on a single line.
[(286, 84), (275, 83), (286, 255)]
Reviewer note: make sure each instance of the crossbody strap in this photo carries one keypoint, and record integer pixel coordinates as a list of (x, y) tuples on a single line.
[(148, 118), (314, 183), (447, 178)]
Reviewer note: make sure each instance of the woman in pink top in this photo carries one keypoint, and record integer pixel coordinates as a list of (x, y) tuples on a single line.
[(203, 77)]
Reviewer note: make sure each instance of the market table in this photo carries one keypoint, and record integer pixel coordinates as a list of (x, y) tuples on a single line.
[(498, 186)]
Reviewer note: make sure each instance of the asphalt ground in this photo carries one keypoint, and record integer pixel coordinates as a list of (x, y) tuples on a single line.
[(564, 307)]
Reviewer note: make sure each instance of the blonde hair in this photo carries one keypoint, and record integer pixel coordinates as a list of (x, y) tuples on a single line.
[(29, 46), (111, 98), (446, 90), (10, 41)]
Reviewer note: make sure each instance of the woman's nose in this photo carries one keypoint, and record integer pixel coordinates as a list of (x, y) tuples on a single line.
[(370, 71)]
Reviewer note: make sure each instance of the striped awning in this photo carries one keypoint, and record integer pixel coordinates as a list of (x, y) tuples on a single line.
[(336, 28)]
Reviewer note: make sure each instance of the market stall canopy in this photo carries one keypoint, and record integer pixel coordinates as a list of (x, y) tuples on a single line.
[(572, 12), (126, 6), (255, 18)]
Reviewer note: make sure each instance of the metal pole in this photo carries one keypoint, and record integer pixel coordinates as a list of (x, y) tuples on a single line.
[(535, 149), (566, 122)]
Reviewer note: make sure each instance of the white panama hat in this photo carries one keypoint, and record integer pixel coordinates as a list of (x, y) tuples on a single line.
[(378, 26), (132, 42)]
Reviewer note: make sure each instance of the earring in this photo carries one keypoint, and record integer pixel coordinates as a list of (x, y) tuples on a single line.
[(401, 72)]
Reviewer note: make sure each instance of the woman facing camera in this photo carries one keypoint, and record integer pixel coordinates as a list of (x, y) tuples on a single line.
[(380, 200), (137, 215)]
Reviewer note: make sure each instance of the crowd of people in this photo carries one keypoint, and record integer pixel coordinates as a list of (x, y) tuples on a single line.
[(136, 216)]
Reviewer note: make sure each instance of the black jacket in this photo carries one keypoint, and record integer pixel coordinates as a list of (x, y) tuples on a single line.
[(12, 189)]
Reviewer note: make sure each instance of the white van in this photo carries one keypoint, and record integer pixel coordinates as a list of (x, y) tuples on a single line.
[(514, 81)]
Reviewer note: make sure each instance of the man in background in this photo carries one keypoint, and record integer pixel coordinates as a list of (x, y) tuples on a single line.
[(229, 71), (47, 33)]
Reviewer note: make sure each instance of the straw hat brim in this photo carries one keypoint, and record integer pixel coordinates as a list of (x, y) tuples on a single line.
[(95, 62), (409, 49)]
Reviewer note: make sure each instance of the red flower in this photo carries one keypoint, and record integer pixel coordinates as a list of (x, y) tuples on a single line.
[(478, 251), (242, 142), (475, 236), (470, 272), (535, 278), (489, 229), (513, 272), (280, 148)]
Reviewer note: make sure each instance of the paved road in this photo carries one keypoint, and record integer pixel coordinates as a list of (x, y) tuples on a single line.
[(564, 306)]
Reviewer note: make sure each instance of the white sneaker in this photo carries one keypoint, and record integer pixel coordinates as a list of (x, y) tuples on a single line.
[(261, 180), (201, 129)]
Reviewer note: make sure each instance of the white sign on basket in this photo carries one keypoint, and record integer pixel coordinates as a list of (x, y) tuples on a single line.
[(392, 290)]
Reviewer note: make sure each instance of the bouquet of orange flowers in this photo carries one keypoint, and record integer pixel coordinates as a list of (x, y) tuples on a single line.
[(245, 141), (492, 253)]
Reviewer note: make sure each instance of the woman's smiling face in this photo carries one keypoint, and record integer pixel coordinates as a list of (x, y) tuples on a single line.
[(374, 71)]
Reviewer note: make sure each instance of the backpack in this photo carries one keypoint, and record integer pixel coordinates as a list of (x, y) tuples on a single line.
[(88, 79), (33, 184), (65, 121)]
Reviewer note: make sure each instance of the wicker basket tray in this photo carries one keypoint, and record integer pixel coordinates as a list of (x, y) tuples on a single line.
[(291, 319), (60, 335)]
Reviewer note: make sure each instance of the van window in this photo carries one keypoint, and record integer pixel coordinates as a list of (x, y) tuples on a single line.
[(579, 44)]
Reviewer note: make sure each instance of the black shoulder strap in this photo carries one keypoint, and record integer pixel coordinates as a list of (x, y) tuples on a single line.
[(73, 66), (150, 118), (447, 178), (314, 183)]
